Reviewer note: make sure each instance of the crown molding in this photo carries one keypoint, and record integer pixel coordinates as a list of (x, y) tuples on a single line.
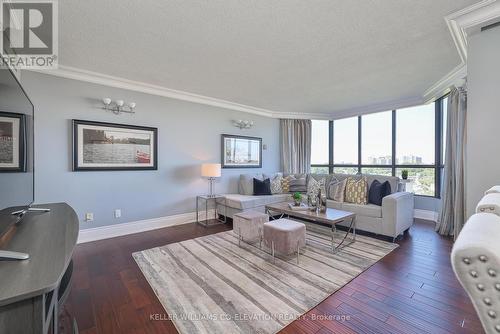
[(117, 82), (442, 86), (369, 109), (469, 20), (461, 24)]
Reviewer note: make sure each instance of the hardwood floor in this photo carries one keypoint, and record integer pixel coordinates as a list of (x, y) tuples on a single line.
[(412, 290)]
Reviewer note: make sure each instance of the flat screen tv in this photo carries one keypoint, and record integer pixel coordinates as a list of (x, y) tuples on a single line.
[(16, 151)]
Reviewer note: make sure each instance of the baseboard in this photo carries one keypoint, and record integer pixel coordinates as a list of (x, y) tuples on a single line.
[(111, 231), (426, 215)]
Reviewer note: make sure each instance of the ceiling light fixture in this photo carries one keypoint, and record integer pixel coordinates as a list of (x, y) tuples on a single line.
[(243, 124), (119, 106)]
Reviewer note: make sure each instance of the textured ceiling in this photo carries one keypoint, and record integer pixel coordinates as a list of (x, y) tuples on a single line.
[(287, 56)]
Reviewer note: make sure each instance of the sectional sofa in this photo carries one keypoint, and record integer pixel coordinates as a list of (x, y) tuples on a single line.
[(391, 219)]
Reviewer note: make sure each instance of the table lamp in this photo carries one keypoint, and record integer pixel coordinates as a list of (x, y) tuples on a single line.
[(211, 171)]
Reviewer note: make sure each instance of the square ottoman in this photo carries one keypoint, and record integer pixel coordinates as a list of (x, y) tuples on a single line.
[(285, 236), (249, 225)]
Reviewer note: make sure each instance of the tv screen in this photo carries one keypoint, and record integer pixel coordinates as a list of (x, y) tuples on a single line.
[(16, 147)]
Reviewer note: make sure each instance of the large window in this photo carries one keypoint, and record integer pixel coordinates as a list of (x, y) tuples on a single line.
[(345, 141), (376, 139), (386, 143), (320, 147), (415, 135)]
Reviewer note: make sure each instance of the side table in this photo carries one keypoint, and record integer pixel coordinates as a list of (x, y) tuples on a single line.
[(218, 200)]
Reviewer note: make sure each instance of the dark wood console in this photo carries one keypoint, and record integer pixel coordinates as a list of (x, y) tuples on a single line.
[(32, 290)]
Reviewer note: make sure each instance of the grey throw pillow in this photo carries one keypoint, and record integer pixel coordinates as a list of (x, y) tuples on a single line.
[(246, 183), (336, 189), (298, 185)]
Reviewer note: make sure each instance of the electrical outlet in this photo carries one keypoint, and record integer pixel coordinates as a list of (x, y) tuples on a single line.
[(89, 216), (118, 213)]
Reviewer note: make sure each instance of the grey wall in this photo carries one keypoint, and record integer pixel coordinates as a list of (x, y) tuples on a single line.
[(483, 115), (427, 203), (189, 134)]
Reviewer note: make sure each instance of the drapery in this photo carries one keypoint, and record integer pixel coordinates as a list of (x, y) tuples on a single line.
[(295, 140), (452, 215)]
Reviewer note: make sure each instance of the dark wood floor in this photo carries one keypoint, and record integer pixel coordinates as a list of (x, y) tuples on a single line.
[(412, 290)]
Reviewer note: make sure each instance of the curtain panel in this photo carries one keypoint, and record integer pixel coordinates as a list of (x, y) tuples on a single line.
[(295, 141), (452, 215)]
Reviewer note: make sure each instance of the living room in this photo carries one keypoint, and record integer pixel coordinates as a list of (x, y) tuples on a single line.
[(241, 167)]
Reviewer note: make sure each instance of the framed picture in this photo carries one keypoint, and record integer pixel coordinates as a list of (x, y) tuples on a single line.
[(12, 142), (109, 146), (241, 152)]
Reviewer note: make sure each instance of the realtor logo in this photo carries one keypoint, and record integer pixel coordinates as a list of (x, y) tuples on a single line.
[(29, 34)]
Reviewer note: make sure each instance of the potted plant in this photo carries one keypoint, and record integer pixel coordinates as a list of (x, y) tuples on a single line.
[(404, 174), (297, 198)]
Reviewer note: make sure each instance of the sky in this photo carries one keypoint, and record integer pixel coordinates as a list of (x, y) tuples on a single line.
[(414, 136)]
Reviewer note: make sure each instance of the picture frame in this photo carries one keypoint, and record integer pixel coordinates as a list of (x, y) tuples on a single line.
[(99, 146), (12, 142), (241, 151)]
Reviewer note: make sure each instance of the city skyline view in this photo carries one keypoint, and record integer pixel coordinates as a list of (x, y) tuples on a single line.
[(413, 145)]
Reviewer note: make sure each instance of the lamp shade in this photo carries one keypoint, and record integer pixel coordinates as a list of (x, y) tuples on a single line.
[(210, 170)]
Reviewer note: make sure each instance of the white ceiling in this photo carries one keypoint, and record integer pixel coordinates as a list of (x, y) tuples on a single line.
[(290, 56)]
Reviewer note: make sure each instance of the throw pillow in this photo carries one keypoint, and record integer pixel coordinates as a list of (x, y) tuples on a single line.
[(285, 183), (298, 185), (315, 186), (336, 190), (378, 191), (246, 183), (276, 184), (262, 187), (356, 191)]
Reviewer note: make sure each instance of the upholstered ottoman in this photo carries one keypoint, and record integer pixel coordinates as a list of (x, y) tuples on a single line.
[(285, 236), (249, 225)]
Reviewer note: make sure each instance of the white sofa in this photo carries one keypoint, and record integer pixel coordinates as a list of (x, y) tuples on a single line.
[(394, 217)]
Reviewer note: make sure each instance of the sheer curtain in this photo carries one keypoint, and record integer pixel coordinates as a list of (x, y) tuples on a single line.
[(452, 215), (295, 139)]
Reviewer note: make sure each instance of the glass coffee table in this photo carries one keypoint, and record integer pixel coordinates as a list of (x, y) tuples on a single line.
[(330, 217)]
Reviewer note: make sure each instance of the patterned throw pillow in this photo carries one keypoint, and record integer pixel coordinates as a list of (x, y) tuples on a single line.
[(356, 191), (276, 184), (336, 189), (314, 186), (285, 183)]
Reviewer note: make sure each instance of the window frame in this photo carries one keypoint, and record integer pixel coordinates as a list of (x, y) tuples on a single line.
[(438, 142)]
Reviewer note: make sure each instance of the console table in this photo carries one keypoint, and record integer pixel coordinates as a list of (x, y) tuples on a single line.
[(32, 290)]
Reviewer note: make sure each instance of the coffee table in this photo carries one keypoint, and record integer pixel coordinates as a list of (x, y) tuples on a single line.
[(330, 217)]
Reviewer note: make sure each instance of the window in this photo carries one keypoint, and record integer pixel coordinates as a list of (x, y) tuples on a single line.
[(385, 143), (423, 180), (345, 141), (415, 135), (320, 144), (376, 142), (346, 170), (376, 171)]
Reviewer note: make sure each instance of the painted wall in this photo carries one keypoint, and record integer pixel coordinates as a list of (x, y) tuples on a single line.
[(483, 115), (427, 203), (189, 134)]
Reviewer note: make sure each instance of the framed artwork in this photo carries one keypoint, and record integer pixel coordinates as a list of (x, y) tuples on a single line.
[(109, 146), (12, 142), (241, 152)]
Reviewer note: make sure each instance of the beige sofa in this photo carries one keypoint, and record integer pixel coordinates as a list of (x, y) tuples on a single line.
[(391, 219)]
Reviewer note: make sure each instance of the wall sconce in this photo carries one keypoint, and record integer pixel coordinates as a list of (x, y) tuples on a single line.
[(243, 124), (118, 106)]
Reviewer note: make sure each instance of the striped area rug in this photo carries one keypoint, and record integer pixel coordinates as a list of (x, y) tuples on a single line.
[(210, 285)]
